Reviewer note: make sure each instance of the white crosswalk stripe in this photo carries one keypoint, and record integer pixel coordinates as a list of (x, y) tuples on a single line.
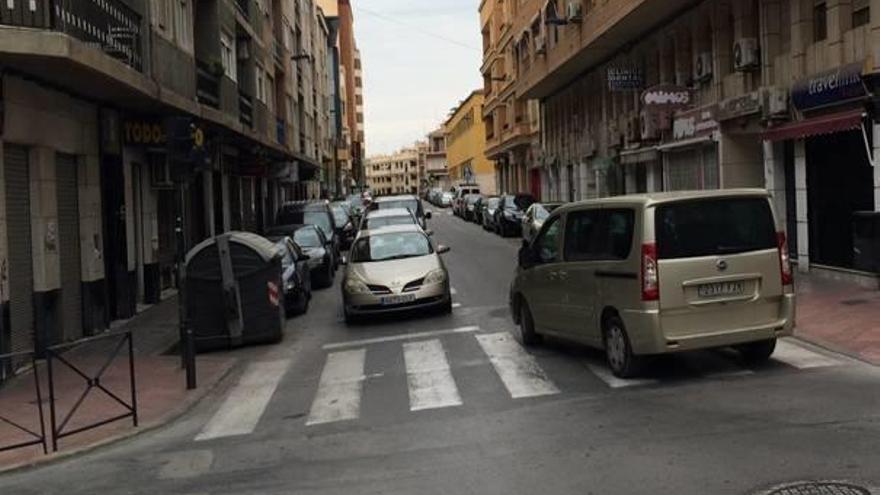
[(340, 388), (246, 402), (518, 370), (428, 376), (800, 357), (604, 373)]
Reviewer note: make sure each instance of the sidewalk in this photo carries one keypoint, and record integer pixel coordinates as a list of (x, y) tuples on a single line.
[(161, 389), (839, 316)]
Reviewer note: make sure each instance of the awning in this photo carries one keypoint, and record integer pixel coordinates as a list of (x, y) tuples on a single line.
[(684, 143), (639, 155), (825, 124)]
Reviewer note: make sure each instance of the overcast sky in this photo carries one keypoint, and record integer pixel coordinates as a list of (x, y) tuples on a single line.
[(420, 58)]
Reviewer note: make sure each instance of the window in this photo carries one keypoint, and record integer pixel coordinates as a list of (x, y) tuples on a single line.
[(270, 93), (714, 227), (228, 56), (599, 235), (182, 24), (820, 21), (161, 14), (261, 84), (547, 244), (861, 13)]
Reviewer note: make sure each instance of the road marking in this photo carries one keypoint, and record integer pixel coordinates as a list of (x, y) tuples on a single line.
[(452, 291), (428, 376), (186, 464), (518, 370), (246, 402), (456, 305), (393, 338), (605, 374), (800, 357), (339, 391), (449, 213)]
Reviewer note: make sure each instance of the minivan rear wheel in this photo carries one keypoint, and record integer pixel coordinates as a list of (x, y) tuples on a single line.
[(618, 351), (527, 326), (757, 352)]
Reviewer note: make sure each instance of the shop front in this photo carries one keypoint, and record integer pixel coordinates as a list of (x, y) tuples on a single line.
[(690, 158), (827, 151)]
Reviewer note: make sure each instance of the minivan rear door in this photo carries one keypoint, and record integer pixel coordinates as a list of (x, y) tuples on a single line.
[(718, 265)]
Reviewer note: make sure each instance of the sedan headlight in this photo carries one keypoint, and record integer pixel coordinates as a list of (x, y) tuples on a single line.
[(437, 276), (356, 287)]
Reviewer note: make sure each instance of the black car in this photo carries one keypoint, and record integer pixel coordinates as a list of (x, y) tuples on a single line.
[(470, 207), (316, 213), (345, 227), (316, 246), (508, 218), (296, 275), (488, 208)]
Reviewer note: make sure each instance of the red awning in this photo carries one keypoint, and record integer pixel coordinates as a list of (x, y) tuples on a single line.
[(825, 124)]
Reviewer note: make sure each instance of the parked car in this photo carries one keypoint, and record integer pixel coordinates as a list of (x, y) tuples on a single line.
[(412, 203), (343, 224), (534, 217), (358, 204), (658, 273), (508, 218), (316, 213), (458, 195), (470, 207), (489, 209), (316, 246), (446, 199), (385, 217), (296, 275), (393, 269)]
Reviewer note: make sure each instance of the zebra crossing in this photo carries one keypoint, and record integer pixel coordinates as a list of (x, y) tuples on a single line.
[(431, 379)]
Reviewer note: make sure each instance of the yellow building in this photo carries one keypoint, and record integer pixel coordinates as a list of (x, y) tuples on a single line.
[(466, 145)]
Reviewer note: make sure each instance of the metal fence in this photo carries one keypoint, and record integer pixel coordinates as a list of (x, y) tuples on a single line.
[(34, 435)]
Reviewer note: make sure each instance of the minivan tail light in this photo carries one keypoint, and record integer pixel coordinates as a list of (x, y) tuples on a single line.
[(650, 273), (784, 261)]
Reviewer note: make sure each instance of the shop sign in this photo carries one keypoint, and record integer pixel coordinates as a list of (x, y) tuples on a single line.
[(739, 106), (829, 87), (695, 123), (141, 132), (625, 78), (667, 97)]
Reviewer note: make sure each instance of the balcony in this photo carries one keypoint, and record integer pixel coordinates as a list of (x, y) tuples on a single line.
[(207, 84), (245, 109), (110, 25)]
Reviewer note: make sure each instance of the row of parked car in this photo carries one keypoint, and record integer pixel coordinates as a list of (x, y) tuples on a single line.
[(507, 215)]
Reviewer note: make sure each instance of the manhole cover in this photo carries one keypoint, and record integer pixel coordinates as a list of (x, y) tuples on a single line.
[(818, 488)]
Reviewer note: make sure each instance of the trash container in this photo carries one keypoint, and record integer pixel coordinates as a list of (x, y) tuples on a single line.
[(866, 241), (234, 294)]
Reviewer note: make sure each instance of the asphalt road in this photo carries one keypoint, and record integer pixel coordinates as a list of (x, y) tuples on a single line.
[(432, 404)]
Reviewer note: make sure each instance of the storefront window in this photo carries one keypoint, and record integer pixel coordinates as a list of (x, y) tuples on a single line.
[(692, 169)]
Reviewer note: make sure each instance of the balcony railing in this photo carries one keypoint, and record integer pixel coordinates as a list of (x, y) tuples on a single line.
[(280, 131), (207, 84), (245, 109), (278, 52), (109, 24), (243, 6)]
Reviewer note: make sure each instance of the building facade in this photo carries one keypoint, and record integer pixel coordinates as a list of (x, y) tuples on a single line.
[(466, 145), (397, 173), (435, 172), (122, 116), (669, 95), (352, 73), (512, 123)]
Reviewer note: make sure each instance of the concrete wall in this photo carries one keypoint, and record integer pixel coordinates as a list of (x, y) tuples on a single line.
[(173, 68)]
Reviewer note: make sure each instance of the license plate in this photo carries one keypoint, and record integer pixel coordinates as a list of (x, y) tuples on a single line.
[(720, 289), (401, 299)]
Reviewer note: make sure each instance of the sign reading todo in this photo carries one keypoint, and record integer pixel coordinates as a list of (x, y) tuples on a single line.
[(144, 133)]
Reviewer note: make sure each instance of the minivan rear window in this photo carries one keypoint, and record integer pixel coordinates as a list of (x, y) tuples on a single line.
[(714, 227)]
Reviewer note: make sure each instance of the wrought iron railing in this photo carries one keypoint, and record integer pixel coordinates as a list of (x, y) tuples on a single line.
[(245, 109), (243, 7), (207, 84), (32, 435)]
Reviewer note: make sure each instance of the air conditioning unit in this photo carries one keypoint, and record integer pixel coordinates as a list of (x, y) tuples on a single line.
[(160, 175), (703, 67), (540, 45), (746, 54), (575, 11), (775, 102)]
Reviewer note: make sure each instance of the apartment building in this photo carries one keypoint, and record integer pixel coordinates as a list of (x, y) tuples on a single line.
[(512, 123), (435, 172), (396, 173), (657, 95), (121, 116), (351, 71), (466, 145)]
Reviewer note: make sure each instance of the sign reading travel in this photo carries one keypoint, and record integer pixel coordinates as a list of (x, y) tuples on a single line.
[(828, 87), (625, 78)]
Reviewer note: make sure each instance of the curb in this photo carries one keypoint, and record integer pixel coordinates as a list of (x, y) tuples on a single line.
[(834, 348), (172, 416)]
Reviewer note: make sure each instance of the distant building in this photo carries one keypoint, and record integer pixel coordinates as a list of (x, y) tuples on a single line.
[(436, 171), (466, 145), (397, 173)]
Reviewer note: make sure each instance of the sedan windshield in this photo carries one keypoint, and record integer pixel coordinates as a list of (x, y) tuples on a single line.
[(339, 215), (410, 204), (307, 237), (517, 202), (319, 218), (392, 246), (493, 203), (375, 223)]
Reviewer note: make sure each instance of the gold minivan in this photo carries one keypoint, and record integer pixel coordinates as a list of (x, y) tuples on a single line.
[(658, 273)]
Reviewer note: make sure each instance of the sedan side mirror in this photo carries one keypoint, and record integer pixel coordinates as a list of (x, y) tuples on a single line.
[(441, 249), (428, 215)]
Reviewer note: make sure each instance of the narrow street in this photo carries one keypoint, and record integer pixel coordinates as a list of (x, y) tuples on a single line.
[(417, 405)]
